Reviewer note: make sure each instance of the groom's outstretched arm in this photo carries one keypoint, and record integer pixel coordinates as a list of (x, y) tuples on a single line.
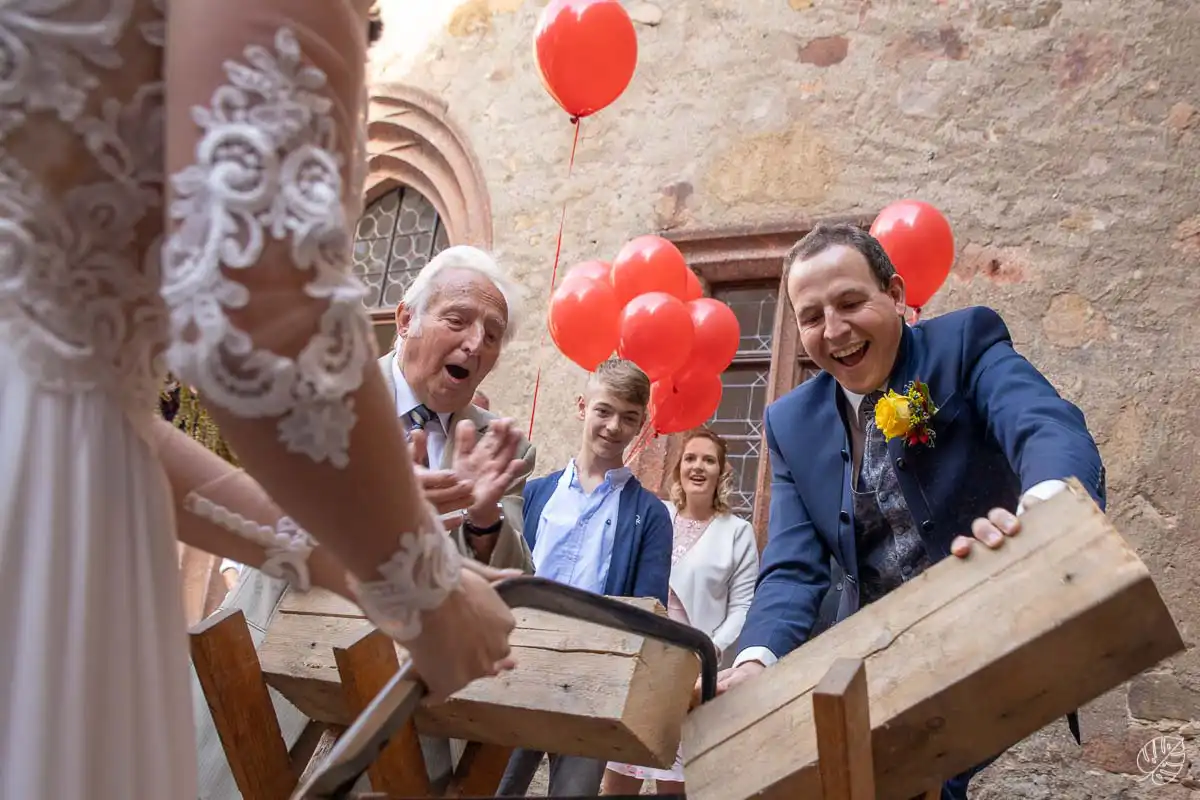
[(794, 574), (1044, 436)]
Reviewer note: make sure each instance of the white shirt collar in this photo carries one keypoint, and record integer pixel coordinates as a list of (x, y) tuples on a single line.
[(855, 400), (406, 401)]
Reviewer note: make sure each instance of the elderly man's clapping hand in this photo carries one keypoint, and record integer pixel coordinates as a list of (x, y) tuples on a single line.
[(489, 464), (445, 489), (483, 470)]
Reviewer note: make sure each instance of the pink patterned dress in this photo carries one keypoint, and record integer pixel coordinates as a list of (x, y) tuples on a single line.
[(687, 533)]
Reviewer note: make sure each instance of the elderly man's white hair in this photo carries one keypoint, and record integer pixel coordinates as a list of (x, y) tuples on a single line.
[(421, 291)]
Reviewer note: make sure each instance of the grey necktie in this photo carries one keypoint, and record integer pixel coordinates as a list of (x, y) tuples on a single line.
[(874, 454)]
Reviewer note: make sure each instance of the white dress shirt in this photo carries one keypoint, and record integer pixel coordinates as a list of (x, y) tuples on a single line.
[(435, 429), (1041, 491)]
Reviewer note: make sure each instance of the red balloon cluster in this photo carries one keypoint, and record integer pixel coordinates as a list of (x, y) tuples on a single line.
[(586, 52), (649, 307), (918, 240)]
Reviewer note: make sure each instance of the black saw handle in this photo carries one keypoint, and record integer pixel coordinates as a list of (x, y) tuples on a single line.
[(391, 709)]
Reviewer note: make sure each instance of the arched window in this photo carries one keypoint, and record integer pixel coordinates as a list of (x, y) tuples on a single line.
[(397, 235)]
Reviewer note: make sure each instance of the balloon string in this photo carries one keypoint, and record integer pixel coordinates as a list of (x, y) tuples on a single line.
[(641, 441), (537, 383)]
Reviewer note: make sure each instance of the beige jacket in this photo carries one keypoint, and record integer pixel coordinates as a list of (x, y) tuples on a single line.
[(511, 549)]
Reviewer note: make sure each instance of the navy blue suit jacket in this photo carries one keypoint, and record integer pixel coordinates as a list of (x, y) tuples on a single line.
[(1000, 428), (641, 557)]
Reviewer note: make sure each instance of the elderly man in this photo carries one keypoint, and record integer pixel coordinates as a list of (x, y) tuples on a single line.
[(450, 327)]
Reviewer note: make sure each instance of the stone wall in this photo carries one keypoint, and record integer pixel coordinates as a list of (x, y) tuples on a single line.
[(1061, 137)]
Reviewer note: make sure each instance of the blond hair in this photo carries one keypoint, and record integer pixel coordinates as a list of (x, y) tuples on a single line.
[(624, 380), (724, 488)]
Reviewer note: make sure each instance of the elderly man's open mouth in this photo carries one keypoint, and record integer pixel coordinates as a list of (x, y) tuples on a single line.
[(457, 372)]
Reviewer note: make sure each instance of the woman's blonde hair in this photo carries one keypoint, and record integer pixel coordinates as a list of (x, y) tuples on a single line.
[(724, 472)]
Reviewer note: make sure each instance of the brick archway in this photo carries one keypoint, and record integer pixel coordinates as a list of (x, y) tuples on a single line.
[(411, 140)]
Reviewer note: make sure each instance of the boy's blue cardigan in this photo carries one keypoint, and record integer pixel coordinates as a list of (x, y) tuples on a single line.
[(641, 555)]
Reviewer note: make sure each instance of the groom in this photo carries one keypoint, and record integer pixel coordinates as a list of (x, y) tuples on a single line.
[(883, 510)]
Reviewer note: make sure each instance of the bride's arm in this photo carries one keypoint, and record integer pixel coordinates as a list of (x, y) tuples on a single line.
[(265, 103), (222, 510)]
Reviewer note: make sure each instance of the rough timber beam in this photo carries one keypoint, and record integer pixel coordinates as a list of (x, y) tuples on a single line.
[(963, 662), (578, 689)]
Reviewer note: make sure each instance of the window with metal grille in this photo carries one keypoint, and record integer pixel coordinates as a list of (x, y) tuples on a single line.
[(739, 417), (397, 235)]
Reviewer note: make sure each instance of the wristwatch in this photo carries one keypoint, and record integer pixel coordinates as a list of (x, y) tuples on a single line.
[(474, 530)]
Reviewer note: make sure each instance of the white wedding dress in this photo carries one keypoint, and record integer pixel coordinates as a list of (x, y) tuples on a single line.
[(252, 111)]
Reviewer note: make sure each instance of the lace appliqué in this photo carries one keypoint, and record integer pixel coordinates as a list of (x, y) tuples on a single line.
[(79, 298), (287, 545), (46, 63), (268, 167), (419, 577)]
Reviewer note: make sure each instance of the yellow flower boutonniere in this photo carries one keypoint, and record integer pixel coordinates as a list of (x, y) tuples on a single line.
[(907, 415)]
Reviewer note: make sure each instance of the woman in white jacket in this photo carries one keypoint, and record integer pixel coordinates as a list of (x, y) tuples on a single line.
[(714, 565)]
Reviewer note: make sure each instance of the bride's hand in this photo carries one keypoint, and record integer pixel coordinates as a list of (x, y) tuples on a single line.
[(466, 637)]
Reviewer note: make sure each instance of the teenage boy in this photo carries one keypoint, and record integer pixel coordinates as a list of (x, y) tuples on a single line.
[(593, 526)]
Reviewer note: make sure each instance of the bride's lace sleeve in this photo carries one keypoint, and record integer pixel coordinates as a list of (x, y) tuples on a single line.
[(264, 123), (222, 510)]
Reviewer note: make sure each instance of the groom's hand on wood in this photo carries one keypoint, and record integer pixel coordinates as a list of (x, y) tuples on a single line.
[(729, 678), (489, 463), (992, 529)]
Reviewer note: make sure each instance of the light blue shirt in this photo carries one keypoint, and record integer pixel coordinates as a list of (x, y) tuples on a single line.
[(576, 531)]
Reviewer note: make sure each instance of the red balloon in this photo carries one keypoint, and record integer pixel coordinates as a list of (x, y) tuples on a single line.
[(918, 240), (649, 264), (717, 334), (685, 401), (586, 52), (583, 320), (655, 333), (692, 289), (595, 270)]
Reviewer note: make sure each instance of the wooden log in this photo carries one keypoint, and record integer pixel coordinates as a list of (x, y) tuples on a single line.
[(578, 689), (843, 726), (962, 662), (365, 664), (319, 603), (297, 653), (298, 662), (228, 670)]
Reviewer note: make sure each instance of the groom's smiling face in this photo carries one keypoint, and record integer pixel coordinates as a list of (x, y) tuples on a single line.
[(849, 324)]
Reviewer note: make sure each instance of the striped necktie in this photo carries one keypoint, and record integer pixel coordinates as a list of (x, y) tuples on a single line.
[(418, 418)]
